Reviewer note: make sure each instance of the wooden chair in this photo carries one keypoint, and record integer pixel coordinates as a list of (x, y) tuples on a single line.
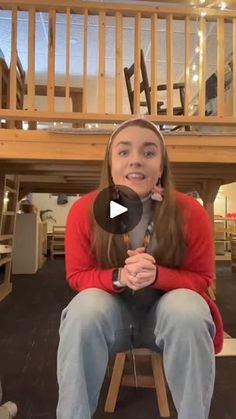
[(157, 380), (20, 88), (5, 88), (145, 87)]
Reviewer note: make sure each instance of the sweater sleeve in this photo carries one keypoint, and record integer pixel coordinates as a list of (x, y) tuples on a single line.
[(81, 270), (197, 272)]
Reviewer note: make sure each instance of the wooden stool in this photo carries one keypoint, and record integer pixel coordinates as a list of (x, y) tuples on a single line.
[(156, 381)]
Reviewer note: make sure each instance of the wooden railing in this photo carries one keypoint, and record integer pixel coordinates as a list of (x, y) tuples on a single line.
[(98, 104)]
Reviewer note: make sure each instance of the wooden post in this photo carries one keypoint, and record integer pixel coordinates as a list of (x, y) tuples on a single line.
[(208, 193), (2, 189)]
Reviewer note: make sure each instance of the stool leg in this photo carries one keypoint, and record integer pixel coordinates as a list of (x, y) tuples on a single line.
[(160, 385), (115, 382)]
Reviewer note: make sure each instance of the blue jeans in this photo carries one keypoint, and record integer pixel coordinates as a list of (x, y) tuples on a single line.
[(96, 324)]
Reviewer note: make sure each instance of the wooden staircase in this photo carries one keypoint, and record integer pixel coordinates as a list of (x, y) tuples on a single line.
[(9, 190)]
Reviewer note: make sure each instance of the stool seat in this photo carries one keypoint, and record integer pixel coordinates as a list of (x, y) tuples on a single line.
[(157, 380)]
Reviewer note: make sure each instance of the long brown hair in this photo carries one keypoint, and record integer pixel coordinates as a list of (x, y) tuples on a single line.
[(110, 249)]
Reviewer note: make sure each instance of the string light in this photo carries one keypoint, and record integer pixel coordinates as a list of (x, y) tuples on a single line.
[(195, 77), (223, 5)]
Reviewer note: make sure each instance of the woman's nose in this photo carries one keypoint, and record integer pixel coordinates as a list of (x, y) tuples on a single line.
[(135, 159)]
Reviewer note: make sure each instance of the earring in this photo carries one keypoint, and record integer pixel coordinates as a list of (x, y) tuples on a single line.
[(157, 192)]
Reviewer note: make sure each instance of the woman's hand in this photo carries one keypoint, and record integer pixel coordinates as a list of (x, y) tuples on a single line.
[(139, 270)]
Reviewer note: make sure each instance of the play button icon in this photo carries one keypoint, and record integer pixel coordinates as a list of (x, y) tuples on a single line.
[(117, 209)]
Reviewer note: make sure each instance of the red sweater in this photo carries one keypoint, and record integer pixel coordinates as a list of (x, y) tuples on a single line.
[(196, 274)]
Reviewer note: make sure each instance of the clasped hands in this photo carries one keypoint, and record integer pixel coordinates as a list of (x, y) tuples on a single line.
[(139, 270)]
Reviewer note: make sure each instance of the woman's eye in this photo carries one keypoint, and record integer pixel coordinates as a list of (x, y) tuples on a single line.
[(123, 153), (149, 153)]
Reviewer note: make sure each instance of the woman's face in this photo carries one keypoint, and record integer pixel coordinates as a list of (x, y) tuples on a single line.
[(136, 159)]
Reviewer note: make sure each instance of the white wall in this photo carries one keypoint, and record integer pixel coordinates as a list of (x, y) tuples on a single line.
[(226, 200), (43, 201)]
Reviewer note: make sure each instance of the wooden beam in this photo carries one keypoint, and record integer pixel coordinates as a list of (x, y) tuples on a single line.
[(18, 144), (113, 118), (127, 9)]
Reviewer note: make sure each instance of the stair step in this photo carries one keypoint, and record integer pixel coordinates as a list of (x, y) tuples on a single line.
[(6, 237), (9, 213), (5, 260)]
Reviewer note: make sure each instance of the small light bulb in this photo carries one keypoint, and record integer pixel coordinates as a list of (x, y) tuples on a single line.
[(197, 49), (194, 67), (203, 14), (202, 1), (223, 5), (195, 77)]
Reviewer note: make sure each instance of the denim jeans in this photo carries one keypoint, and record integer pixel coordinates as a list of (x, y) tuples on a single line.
[(96, 324)]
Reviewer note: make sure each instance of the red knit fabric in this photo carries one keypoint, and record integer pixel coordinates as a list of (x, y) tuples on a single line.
[(196, 274)]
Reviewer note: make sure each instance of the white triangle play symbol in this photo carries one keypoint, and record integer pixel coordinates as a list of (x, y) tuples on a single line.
[(116, 209)]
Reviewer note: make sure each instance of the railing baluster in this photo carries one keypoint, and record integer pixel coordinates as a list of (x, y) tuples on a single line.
[(169, 63), (119, 63), (13, 64), (137, 47), (51, 58), (68, 23), (102, 70), (202, 67), (187, 65), (31, 60), (220, 66), (85, 61), (154, 63)]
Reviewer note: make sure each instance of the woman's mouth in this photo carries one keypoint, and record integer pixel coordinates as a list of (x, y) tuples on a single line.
[(135, 176)]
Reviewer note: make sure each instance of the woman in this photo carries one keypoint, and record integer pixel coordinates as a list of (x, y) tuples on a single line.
[(143, 288)]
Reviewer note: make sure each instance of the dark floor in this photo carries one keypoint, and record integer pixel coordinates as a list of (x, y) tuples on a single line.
[(29, 320)]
